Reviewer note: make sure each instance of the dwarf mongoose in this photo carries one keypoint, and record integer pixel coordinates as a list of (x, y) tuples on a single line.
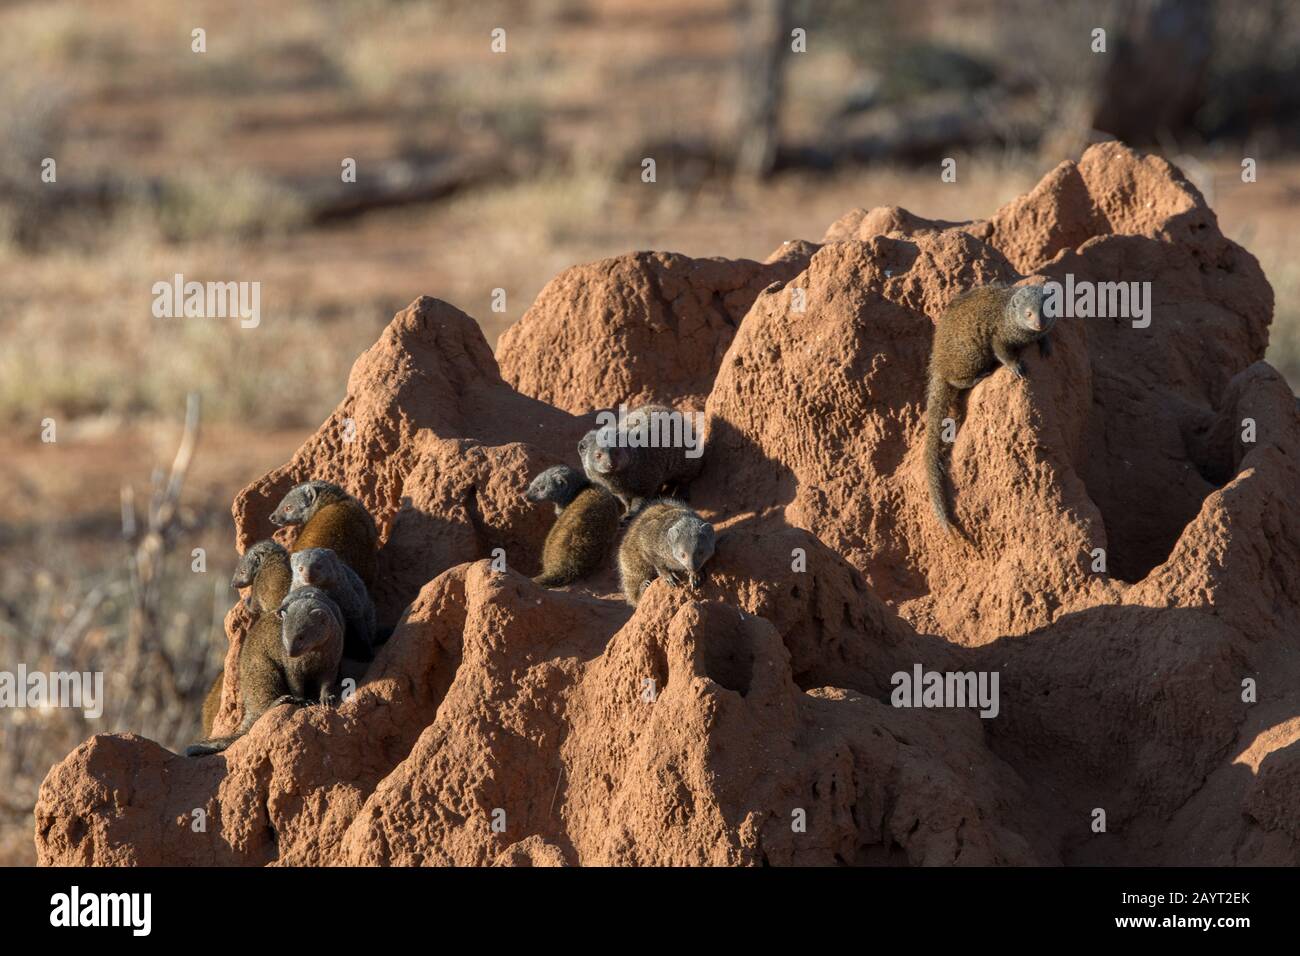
[(559, 485), (311, 637), (322, 568), (290, 655), (265, 568), (331, 518), (979, 330), (634, 462), (584, 532), (261, 681), (666, 540)]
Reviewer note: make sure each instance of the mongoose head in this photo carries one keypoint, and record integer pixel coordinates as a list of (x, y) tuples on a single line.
[(560, 485), (1025, 310), (691, 540), (251, 561), (303, 500), (315, 567), (601, 452), (309, 619)]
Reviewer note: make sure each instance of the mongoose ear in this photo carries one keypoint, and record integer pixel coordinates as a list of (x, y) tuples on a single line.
[(309, 493)]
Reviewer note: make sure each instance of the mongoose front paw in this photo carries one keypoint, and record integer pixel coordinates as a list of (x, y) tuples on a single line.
[(290, 699), (1020, 370)]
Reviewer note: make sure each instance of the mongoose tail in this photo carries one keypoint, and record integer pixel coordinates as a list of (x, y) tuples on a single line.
[(212, 703), (214, 745), (555, 579), (938, 401)]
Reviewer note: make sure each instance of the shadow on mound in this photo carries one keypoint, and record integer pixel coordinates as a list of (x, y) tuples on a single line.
[(1138, 713)]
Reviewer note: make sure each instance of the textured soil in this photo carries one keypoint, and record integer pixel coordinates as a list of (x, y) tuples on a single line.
[(751, 722)]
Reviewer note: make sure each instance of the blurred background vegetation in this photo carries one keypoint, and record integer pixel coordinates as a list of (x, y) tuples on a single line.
[(477, 171)]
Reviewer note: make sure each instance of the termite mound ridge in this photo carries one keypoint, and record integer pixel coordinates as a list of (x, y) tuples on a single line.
[(751, 722)]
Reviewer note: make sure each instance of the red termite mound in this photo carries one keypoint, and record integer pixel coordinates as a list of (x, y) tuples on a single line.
[(1132, 577)]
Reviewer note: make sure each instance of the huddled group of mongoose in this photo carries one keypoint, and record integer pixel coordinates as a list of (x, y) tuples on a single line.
[(312, 609), (980, 330), (620, 482)]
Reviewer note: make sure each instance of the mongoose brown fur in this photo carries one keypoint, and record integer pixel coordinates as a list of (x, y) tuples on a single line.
[(261, 682), (322, 568), (290, 655), (665, 540), (584, 532), (635, 474), (331, 518), (265, 569), (979, 330), (212, 703)]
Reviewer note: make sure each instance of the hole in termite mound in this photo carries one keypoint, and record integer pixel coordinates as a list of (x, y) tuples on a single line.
[(730, 663), (1149, 475)]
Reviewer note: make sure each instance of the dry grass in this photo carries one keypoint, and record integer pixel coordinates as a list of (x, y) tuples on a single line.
[(1283, 271), (62, 610)]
